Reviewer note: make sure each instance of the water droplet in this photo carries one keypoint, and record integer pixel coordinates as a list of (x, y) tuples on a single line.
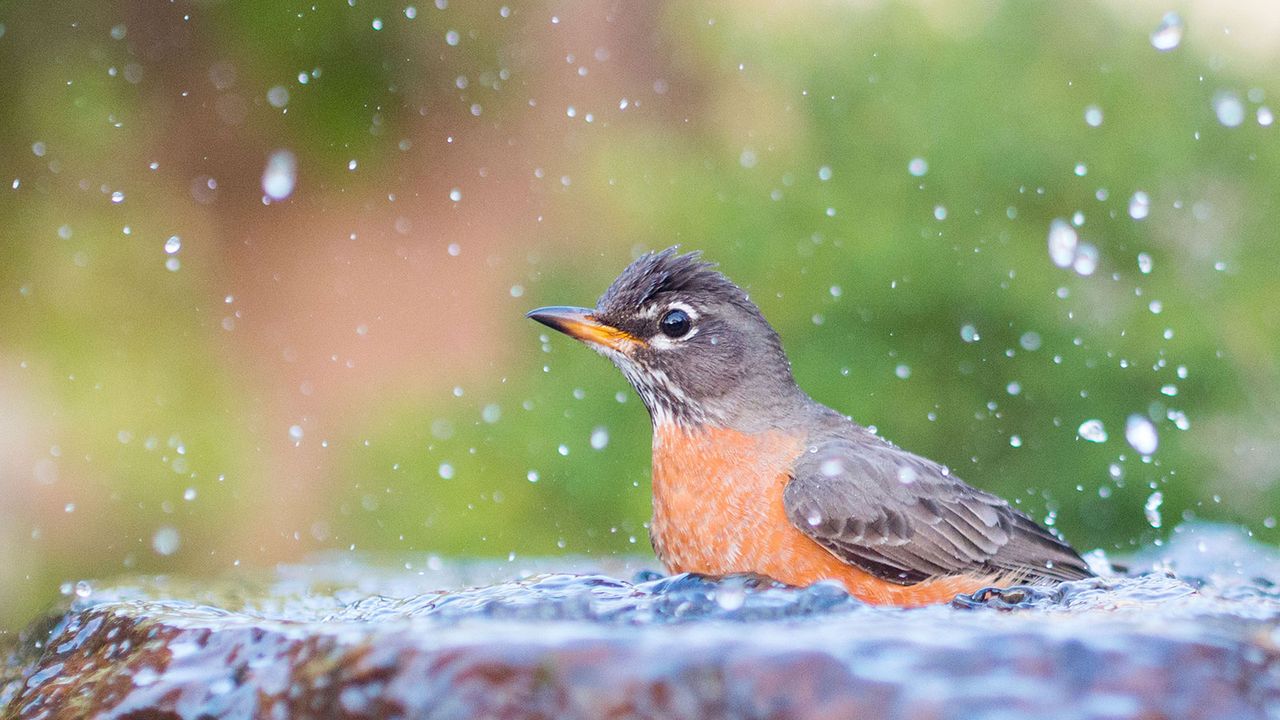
[(532, 476), (1092, 430), (295, 432), (1141, 434), (1015, 441), (446, 471), (280, 175), (1168, 34), (903, 371), (1144, 263), (563, 449), (1014, 388), (939, 212), (969, 334), (455, 195), (278, 96), (1151, 509), (117, 197), (83, 589), (377, 23), (599, 438), (1030, 341), (173, 244), (491, 413), (411, 12), (1081, 170), (189, 494), (907, 475), (452, 37), (1139, 205), (1093, 116), (731, 594), (1228, 107), (1063, 241), (166, 540), (1086, 260), (1265, 116), (831, 467), (918, 167), (747, 158)]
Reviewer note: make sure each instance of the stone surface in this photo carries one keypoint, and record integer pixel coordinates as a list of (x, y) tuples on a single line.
[(348, 639)]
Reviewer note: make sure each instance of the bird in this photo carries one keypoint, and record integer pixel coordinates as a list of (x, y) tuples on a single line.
[(752, 475)]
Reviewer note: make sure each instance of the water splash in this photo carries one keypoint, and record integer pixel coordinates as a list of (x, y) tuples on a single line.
[(1092, 430), (1141, 434), (1168, 34), (1063, 242), (1139, 205), (280, 175), (599, 438), (1229, 108), (1151, 509)]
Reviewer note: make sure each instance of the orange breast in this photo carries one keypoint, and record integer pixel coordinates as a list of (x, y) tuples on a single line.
[(717, 509)]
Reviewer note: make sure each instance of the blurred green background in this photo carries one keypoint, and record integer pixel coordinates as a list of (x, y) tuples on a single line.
[(195, 376)]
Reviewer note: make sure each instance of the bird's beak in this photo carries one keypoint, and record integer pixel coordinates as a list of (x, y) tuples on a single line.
[(581, 324)]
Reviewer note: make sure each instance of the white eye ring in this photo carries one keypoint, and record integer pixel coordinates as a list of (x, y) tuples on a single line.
[(661, 340)]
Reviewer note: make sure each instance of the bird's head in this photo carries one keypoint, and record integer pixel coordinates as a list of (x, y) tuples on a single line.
[(690, 342)]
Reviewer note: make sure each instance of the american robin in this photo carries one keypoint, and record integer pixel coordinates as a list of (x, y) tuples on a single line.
[(752, 475)]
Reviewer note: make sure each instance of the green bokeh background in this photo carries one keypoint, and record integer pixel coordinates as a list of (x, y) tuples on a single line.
[(122, 390)]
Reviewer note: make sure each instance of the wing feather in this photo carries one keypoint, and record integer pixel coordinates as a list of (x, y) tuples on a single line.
[(906, 519)]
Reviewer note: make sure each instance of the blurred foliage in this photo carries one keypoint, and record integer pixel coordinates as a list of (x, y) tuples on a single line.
[(129, 371)]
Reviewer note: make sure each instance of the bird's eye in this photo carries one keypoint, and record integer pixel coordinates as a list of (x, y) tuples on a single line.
[(675, 323)]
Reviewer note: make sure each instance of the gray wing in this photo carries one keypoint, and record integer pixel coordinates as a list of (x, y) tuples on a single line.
[(905, 519)]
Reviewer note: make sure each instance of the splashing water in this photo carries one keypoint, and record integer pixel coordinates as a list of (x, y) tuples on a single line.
[(280, 175), (1139, 205), (599, 438), (1086, 260), (1152, 509), (1229, 108), (1063, 242), (166, 540), (1141, 434), (1093, 431), (1168, 35)]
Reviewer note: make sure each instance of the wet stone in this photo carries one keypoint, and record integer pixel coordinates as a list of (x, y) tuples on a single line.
[(1192, 630)]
